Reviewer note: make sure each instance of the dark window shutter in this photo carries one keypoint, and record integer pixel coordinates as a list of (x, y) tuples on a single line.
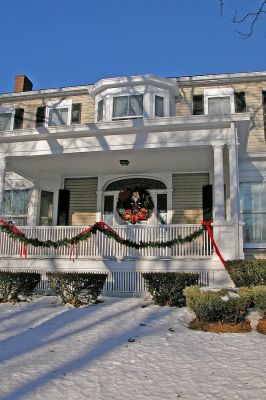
[(40, 116), (207, 202), (63, 207), (198, 104), (264, 111), (240, 102), (18, 120), (76, 113)]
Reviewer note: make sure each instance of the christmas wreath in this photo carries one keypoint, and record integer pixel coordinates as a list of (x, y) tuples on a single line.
[(135, 206)]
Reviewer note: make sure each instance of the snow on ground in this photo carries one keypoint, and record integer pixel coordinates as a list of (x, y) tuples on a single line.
[(54, 352)]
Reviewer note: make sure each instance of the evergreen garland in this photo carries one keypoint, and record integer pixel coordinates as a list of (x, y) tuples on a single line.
[(16, 233)]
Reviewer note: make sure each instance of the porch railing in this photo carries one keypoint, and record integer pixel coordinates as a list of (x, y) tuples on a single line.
[(100, 246)]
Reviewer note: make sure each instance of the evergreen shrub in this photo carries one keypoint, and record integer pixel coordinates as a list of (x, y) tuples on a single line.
[(167, 288), (16, 284), (247, 272), (221, 306), (77, 288)]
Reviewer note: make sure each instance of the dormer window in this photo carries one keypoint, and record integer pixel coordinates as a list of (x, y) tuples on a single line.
[(5, 121), (125, 107)]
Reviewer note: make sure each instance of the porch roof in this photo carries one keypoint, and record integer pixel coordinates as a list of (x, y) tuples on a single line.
[(159, 144)]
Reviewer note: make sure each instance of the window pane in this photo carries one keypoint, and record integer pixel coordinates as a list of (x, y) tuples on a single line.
[(120, 105), (46, 210), (16, 202), (219, 105), (159, 106), (100, 111), (58, 116), (135, 105), (108, 209), (7, 202), (20, 202), (5, 121)]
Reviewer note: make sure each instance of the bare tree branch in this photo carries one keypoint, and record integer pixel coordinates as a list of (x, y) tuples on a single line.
[(251, 18)]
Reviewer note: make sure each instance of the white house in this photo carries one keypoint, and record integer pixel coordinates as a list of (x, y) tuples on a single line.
[(192, 147)]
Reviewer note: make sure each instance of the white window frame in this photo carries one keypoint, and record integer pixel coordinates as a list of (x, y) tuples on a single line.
[(52, 105), (9, 110), (128, 116), (221, 92)]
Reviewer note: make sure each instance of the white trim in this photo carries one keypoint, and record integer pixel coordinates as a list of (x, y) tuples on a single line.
[(52, 105)]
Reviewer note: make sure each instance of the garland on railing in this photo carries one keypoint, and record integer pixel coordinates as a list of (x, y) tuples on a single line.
[(16, 233)]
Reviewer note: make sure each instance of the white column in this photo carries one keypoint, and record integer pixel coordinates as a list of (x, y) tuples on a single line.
[(218, 183), (233, 183), (33, 207), (2, 184)]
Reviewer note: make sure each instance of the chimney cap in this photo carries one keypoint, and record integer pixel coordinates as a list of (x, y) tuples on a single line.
[(22, 84)]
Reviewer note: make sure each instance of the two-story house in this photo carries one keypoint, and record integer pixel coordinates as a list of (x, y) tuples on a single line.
[(182, 149)]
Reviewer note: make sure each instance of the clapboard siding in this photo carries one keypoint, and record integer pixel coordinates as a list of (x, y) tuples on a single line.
[(30, 107), (187, 197), (253, 92), (83, 200)]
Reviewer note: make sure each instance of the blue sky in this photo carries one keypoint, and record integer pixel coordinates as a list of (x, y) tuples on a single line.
[(70, 42)]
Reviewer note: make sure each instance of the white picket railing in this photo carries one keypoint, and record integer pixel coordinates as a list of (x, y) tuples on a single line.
[(100, 246)]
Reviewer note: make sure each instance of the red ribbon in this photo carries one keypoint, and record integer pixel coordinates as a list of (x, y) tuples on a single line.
[(207, 224), (71, 251)]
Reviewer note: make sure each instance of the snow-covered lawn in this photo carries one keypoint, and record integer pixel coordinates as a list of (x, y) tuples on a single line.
[(54, 352)]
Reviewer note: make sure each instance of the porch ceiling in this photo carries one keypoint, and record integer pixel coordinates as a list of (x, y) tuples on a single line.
[(95, 163)]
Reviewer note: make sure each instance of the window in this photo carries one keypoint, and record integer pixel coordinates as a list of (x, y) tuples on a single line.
[(162, 208), (240, 102), (108, 209), (159, 106), (128, 107), (219, 101), (11, 118), (100, 111), (253, 209), (58, 116), (76, 113), (5, 121), (219, 105), (198, 104), (16, 205)]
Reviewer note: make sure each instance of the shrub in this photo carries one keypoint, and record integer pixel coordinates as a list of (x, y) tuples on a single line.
[(259, 295), (222, 306), (15, 284), (77, 288), (167, 288), (247, 272)]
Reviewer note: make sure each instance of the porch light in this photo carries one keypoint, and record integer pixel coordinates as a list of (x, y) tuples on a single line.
[(124, 163)]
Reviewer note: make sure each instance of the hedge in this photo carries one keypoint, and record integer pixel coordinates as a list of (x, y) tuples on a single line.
[(77, 288), (167, 288), (16, 284), (247, 272)]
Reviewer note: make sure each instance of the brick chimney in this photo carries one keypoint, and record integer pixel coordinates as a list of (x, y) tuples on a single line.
[(22, 84)]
